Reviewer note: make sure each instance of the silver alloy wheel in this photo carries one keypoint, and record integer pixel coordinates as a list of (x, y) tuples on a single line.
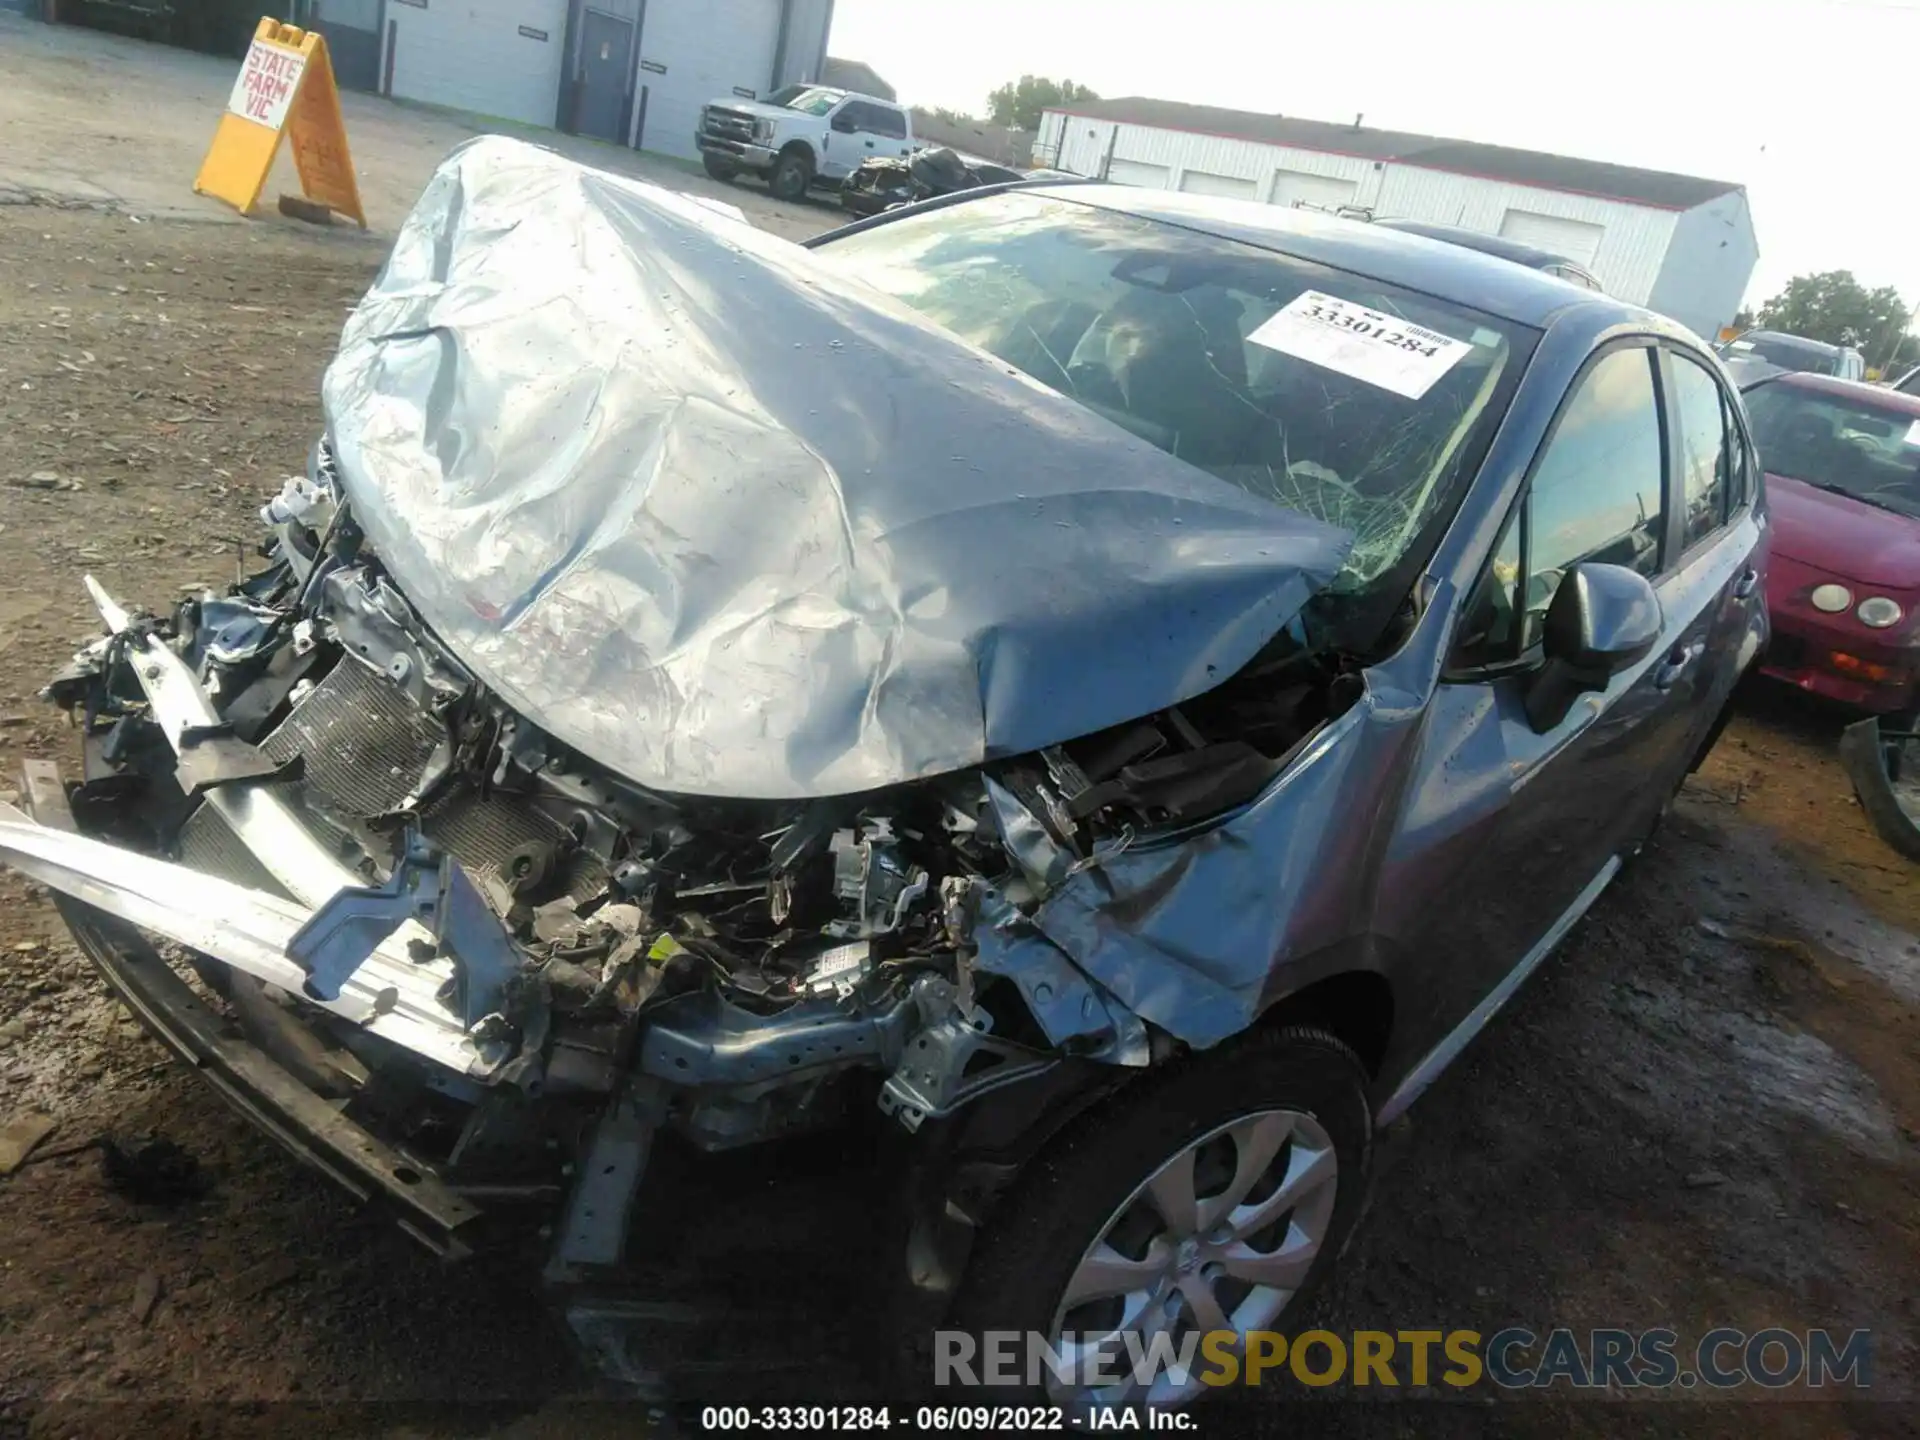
[(1220, 1237)]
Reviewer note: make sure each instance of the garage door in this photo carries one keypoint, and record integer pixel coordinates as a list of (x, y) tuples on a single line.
[(1136, 172), (1574, 239), (693, 51), (493, 57), (1296, 187), (352, 29), (1232, 187)]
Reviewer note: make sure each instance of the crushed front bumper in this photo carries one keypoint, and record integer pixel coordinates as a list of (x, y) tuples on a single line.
[(391, 989), (248, 930), (395, 993), (307, 1124)]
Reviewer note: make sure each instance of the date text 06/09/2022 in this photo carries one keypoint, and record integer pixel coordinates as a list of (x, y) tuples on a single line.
[(933, 1419)]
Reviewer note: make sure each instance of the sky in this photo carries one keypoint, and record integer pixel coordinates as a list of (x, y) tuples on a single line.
[(1801, 101)]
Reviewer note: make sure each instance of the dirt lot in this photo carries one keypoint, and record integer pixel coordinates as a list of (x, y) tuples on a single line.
[(98, 120), (1703, 1112)]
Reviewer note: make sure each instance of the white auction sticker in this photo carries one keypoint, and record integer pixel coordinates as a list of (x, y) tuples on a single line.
[(1380, 349)]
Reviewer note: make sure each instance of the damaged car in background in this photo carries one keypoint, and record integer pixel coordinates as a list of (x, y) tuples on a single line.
[(1119, 686), (886, 181)]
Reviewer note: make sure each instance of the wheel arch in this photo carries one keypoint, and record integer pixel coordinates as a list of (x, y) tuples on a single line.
[(1355, 1006)]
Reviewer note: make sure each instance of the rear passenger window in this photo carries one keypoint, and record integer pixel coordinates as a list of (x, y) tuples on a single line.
[(1701, 449), (889, 124), (1596, 489)]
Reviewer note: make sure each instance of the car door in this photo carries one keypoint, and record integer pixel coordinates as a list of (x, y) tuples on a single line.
[(887, 130), (855, 136), (842, 147), (1716, 574), (1567, 801)]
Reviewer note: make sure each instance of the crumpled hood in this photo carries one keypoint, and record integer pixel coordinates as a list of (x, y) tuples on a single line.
[(727, 521)]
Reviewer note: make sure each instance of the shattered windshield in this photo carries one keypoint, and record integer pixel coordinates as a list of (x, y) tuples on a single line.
[(816, 101), (1838, 443), (1330, 394)]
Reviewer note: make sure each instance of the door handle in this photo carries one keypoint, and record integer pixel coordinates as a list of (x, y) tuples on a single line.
[(1679, 660), (1744, 586), (869, 144)]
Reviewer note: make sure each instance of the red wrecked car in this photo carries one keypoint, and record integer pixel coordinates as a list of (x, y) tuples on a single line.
[(1842, 460)]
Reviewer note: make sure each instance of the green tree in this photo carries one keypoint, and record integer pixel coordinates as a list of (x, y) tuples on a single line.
[(1834, 307), (1019, 102)]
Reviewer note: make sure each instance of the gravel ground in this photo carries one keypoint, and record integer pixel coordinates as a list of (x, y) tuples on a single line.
[(1703, 1111)]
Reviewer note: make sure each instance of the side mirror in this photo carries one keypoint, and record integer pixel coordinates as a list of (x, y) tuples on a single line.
[(842, 123), (1602, 619)]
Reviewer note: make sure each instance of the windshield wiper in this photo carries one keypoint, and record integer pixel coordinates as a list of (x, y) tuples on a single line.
[(1833, 489)]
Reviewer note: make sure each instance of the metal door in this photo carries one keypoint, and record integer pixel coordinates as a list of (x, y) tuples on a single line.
[(1720, 571), (605, 76), (884, 131), (1589, 788), (844, 145), (1541, 818), (352, 31)]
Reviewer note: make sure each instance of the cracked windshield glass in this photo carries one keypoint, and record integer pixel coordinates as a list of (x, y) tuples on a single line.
[(1194, 344)]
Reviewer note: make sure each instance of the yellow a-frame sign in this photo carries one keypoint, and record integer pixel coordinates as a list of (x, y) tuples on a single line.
[(285, 86)]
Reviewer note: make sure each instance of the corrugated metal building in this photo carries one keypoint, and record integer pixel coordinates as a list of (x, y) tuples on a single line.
[(857, 76), (1678, 244), (632, 71)]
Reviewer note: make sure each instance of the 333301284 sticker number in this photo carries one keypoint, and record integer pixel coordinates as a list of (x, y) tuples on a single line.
[(1356, 340), (1365, 322)]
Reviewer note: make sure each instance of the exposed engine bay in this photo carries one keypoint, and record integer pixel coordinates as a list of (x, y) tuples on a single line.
[(753, 956)]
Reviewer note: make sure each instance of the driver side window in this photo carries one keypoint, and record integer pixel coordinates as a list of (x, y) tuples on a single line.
[(1595, 494)]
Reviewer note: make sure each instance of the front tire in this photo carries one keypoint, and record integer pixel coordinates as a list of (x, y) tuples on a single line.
[(791, 176), (1213, 1196), (717, 168)]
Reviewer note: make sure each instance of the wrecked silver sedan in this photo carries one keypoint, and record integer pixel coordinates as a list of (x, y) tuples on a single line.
[(1123, 686)]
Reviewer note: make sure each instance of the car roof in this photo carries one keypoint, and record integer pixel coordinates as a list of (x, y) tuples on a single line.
[(1434, 267), (1479, 240), (1879, 395)]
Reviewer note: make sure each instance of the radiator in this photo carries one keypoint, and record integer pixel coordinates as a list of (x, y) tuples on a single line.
[(364, 744)]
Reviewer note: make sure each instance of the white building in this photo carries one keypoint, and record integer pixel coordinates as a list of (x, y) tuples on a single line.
[(1674, 243), (635, 72)]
